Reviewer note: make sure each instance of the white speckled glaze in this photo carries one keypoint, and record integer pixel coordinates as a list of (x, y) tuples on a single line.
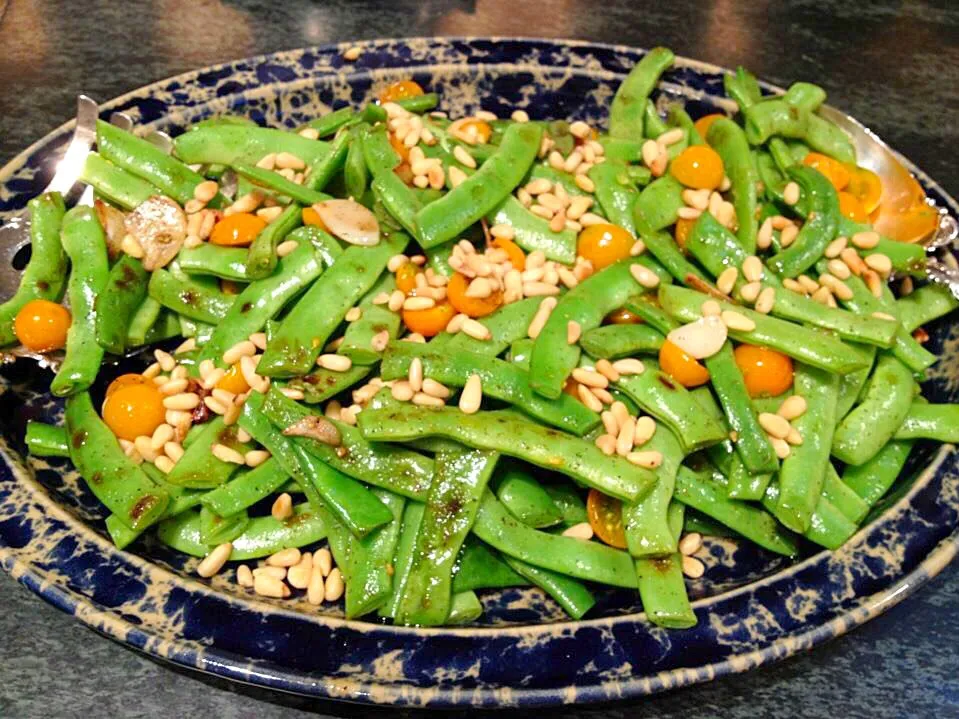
[(752, 608)]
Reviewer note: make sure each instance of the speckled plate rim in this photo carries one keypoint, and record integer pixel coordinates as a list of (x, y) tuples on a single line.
[(224, 663)]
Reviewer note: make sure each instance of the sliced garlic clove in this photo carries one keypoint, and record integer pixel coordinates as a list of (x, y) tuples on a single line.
[(349, 221), (158, 224), (700, 339)]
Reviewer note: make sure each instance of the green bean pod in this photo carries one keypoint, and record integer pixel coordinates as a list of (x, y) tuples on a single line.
[(374, 319), (189, 298), (873, 478), (480, 567), (243, 145), (616, 198), (646, 522), (729, 141), (662, 587), (261, 255), (246, 489), (629, 104), (616, 341), (85, 245), (926, 304), (569, 593), (280, 185), (120, 187), (403, 556), (532, 232), (398, 199), (647, 308), (125, 291), (228, 263), (939, 422), (371, 578), (322, 384), (198, 467), (506, 325), (819, 229), (46, 440), (828, 528), (659, 203), (526, 499), (45, 275)]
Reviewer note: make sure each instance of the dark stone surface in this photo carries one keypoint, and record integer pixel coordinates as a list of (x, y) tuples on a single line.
[(895, 65)]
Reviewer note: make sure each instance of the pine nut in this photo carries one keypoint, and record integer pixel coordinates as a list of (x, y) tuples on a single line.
[(245, 348), (750, 291), (476, 330), (401, 391), (690, 543), (173, 386), (792, 407), (645, 277), (558, 223), (650, 459), (590, 378), (774, 424), (541, 316), (852, 258), (835, 247), (227, 454), (629, 366), (764, 237), (838, 287), (314, 590), (737, 322), (808, 283), (579, 531), (282, 507), (472, 395), (267, 586), (766, 300), (244, 577), (173, 450), (164, 464), (880, 263), (415, 375), (255, 457), (421, 399), (791, 193), (165, 359), (788, 235), (183, 401), (323, 560), (650, 151), (435, 389), (606, 444), (711, 308), (823, 295), (692, 567), (334, 363), (590, 219), (781, 447), (214, 561), (267, 162), (418, 303), (284, 558), (300, 573), (573, 332), (605, 368), (727, 280), (333, 587), (567, 277), (624, 440), (161, 435), (865, 240), (874, 283), (752, 269), (275, 572), (839, 268), (645, 429), (883, 316), (609, 423), (794, 438), (588, 398), (584, 183)]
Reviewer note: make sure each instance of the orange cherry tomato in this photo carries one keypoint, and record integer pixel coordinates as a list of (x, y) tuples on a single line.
[(127, 379), (606, 518), (233, 381), (402, 150), (472, 306), (484, 131), (42, 326), (703, 124), (517, 257), (401, 91), (911, 224), (681, 367), (683, 228), (133, 409), (604, 244), (571, 387), (836, 172), (623, 316), (866, 186), (312, 217), (851, 207), (431, 322), (699, 167), (406, 277), (237, 230), (767, 373)]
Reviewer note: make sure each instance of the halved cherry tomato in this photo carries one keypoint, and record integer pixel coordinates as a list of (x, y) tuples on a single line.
[(42, 326), (233, 381), (703, 124), (681, 367), (699, 167), (237, 230), (406, 277), (402, 150), (623, 316), (836, 172), (472, 306), (768, 373), (127, 379), (400, 91), (851, 207), (606, 518), (516, 255), (312, 217), (230, 287), (866, 186), (133, 409), (683, 228), (431, 322), (604, 244)]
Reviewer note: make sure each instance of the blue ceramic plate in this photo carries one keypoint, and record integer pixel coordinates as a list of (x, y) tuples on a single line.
[(752, 608)]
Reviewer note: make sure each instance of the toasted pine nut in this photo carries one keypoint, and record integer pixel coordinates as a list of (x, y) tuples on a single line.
[(255, 457), (711, 308), (421, 399), (282, 507), (573, 332), (852, 258), (692, 567), (301, 572), (214, 561), (183, 401), (781, 447), (606, 444), (167, 363), (835, 247), (161, 435), (583, 531), (879, 262), (267, 586), (645, 429), (333, 587), (472, 395), (605, 368), (323, 560), (794, 438), (765, 235), (752, 269), (284, 558), (609, 422), (792, 407), (334, 363), (245, 348), (244, 577), (691, 543), (584, 183), (590, 378), (838, 287), (865, 240), (624, 440), (629, 366), (541, 316), (765, 301), (416, 374), (435, 389), (227, 454), (650, 459), (750, 291), (736, 321), (588, 398), (164, 464), (645, 277), (476, 330), (173, 450), (788, 235), (883, 316), (727, 280), (791, 193), (776, 425)]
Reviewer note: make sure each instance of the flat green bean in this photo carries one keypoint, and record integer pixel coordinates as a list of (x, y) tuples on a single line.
[(615, 341), (629, 104)]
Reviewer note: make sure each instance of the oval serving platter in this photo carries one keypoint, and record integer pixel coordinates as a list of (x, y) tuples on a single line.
[(752, 608)]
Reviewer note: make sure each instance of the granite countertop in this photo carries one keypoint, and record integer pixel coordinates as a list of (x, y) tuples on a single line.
[(893, 64)]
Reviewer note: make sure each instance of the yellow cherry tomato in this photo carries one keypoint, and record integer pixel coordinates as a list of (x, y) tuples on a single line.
[(42, 326), (238, 230), (681, 367), (866, 186), (312, 217), (516, 255), (233, 381), (472, 306), (133, 409), (484, 131), (768, 373), (402, 150), (699, 167), (836, 172), (703, 124), (401, 91), (606, 518), (406, 277), (910, 224), (431, 322), (851, 207), (604, 244), (127, 379), (681, 233)]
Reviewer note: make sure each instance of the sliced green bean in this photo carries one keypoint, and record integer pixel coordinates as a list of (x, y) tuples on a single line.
[(532, 232), (615, 341), (243, 144), (371, 578), (45, 275), (729, 141), (120, 187), (662, 587), (398, 199), (246, 489), (125, 291), (526, 499), (227, 263), (46, 440), (569, 593), (629, 104), (189, 298), (85, 245)]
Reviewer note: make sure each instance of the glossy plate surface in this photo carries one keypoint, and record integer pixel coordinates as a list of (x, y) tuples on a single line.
[(752, 607)]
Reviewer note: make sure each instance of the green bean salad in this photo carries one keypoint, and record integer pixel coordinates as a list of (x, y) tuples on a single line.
[(401, 358)]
